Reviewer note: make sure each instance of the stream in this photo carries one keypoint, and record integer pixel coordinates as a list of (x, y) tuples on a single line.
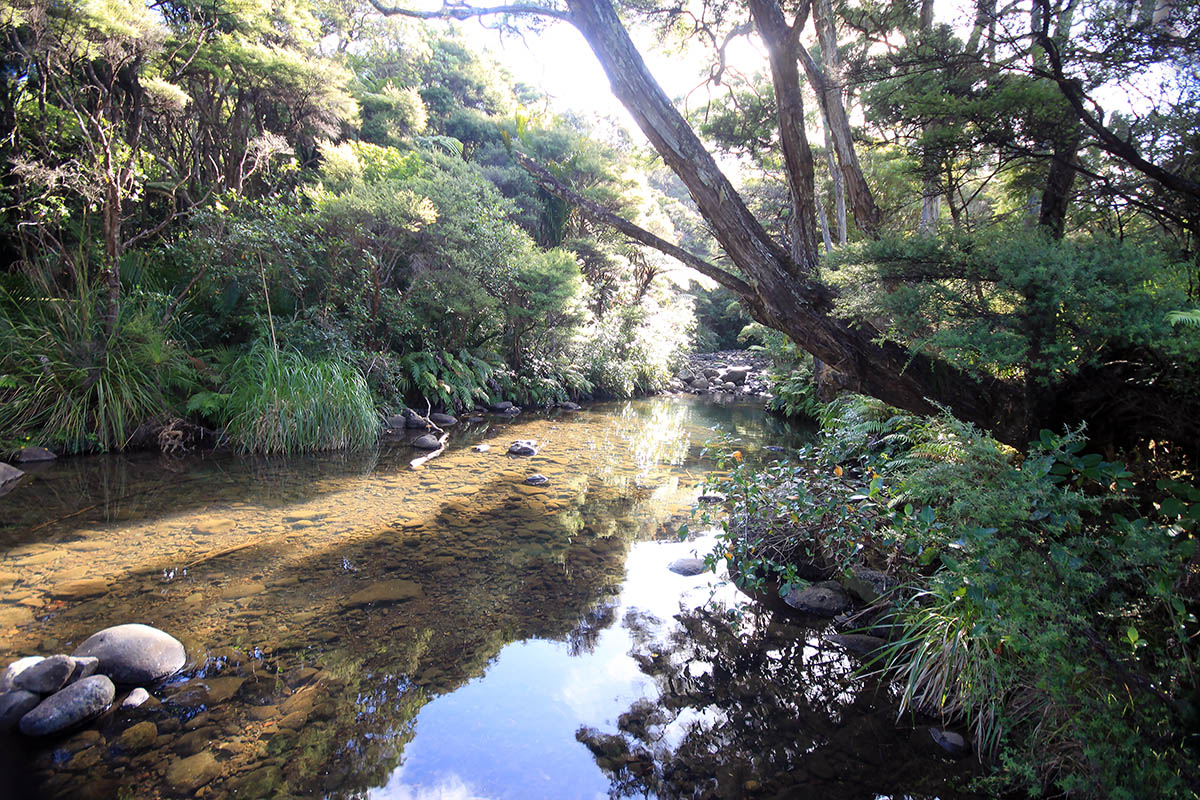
[(357, 629)]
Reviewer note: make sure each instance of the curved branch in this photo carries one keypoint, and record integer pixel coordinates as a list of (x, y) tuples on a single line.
[(601, 214), (451, 9)]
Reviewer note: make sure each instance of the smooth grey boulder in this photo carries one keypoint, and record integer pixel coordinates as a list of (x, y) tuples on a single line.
[(820, 601), (414, 422), (700, 384), (134, 653), (30, 454), (523, 447), (500, 406), (442, 420), (569, 406), (395, 421), (687, 566), (77, 703), (9, 473), (537, 479), (47, 676), (426, 441), (14, 705), (16, 668)]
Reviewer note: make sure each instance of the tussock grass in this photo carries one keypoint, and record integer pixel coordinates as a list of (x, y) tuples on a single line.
[(280, 401)]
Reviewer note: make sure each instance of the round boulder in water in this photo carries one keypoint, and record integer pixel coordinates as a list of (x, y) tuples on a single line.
[(134, 653), (77, 703), (426, 441)]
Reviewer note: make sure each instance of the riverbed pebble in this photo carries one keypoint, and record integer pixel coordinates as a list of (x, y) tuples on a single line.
[(16, 668), (15, 704), (134, 653)]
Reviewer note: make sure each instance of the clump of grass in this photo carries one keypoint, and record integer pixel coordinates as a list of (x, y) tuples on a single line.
[(68, 381), (280, 401)]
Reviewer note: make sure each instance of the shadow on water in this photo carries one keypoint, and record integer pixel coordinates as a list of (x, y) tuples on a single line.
[(325, 602)]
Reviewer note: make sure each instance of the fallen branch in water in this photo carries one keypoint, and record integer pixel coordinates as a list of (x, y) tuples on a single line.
[(417, 463)]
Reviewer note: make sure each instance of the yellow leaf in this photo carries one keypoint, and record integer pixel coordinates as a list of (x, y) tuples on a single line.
[(837, 471)]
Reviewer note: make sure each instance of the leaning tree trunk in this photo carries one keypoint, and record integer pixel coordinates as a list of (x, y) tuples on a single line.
[(776, 290)]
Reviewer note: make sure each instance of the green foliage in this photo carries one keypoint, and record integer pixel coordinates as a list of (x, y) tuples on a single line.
[(1012, 305), (279, 401), (1046, 605), (69, 381)]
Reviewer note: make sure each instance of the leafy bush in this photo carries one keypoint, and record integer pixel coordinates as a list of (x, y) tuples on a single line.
[(279, 401), (1047, 605)]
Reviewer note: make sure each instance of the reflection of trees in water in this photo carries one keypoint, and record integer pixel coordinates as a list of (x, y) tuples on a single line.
[(583, 637), (764, 710)]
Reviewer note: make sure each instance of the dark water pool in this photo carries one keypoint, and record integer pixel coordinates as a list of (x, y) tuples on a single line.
[(546, 650)]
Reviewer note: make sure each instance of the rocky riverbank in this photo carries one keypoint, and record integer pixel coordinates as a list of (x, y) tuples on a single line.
[(728, 373)]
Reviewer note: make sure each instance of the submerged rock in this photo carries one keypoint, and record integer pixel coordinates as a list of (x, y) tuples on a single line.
[(569, 406), (137, 737), (9, 473), (385, 592), (79, 589), (426, 441), (31, 454), (134, 653), (47, 676), (186, 775), (687, 566), (135, 698), (858, 643), (537, 479), (523, 447), (77, 703), (820, 601), (14, 705)]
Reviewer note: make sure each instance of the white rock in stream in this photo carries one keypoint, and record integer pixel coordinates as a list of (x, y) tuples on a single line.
[(134, 653)]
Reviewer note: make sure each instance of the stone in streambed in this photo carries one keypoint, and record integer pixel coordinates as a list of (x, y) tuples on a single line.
[(186, 775), (77, 703), (426, 441), (687, 566), (47, 676), (85, 667), (869, 585), (385, 592), (537, 479), (134, 653), (500, 407), (16, 668), (858, 643), (442, 420), (953, 743), (135, 698), (137, 737), (8, 473), (523, 447), (481, 448), (79, 589), (32, 454), (14, 705), (820, 601)]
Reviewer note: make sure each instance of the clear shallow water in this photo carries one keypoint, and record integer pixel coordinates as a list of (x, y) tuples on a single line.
[(359, 629)]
